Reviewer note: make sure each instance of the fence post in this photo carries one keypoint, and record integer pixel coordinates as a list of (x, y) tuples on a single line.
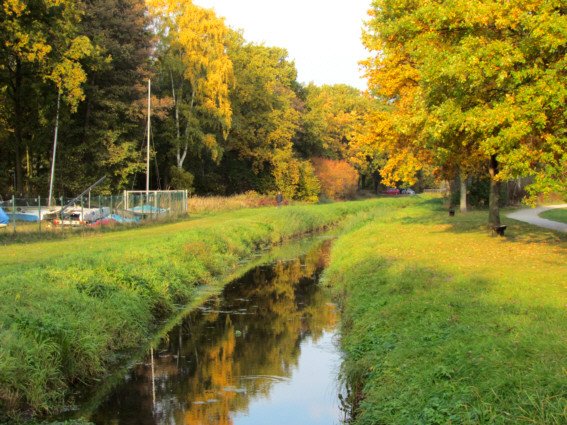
[(82, 214), (39, 213), (61, 216), (14, 211)]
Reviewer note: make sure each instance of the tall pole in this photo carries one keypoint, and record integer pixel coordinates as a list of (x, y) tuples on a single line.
[(54, 150), (148, 150)]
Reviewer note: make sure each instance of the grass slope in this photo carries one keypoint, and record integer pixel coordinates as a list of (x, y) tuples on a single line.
[(559, 214), (444, 324), (71, 307)]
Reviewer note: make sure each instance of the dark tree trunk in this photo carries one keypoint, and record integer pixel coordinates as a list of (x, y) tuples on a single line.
[(494, 198), (375, 180)]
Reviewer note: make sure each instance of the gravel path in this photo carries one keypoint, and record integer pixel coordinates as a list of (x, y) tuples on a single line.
[(530, 215)]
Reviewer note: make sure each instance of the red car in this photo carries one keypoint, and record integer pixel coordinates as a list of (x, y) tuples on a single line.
[(392, 191)]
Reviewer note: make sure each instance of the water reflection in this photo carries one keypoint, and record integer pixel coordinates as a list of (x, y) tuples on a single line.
[(263, 352)]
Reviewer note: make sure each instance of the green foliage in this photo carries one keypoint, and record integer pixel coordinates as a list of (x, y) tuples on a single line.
[(181, 179), (308, 187), (41, 51), (105, 135), (333, 118), (435, 334), (195, 73)]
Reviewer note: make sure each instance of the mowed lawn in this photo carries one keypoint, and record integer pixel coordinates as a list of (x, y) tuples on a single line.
[(446, 324), (559, 214)]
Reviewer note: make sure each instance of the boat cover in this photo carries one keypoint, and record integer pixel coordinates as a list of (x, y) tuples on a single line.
[(4, 219)]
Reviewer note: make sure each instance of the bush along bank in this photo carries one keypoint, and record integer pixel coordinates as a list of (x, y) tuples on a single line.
[(71, 309), (444, 324)]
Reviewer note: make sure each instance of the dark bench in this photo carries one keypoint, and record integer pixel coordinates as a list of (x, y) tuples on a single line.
[(499, 230)]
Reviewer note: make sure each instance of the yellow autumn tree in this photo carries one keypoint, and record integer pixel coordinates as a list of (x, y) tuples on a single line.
[(392, 134), (193, 57)]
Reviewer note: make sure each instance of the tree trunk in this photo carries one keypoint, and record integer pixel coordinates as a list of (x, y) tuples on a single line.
[(180, 157), (494, 198), (463, 203)]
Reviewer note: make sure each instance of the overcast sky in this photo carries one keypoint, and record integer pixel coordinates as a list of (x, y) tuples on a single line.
[(321, 36)]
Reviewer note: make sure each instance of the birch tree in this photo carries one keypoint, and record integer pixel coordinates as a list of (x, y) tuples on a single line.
[(199, 72)]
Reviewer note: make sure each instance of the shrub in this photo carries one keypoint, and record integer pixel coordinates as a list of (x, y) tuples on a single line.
[(339, 180), (181, 179), (309, 187)]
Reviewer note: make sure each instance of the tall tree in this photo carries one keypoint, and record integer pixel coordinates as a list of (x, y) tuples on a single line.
[(107, 134), (196, 69), (393, 137), (266, 118), (496, 72), (331, 120), (40, 54)]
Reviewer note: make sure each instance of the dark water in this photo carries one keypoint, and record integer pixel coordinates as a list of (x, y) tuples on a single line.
[(264, 352)]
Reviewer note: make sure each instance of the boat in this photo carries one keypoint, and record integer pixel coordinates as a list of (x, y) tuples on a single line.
[(78, 216), (4, 219)]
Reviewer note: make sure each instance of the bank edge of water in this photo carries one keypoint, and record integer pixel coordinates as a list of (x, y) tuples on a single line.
[(203, 294), (68, 320), (436, 331)]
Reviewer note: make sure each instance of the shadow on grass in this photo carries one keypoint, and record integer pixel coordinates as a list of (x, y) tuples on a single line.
[(428, 347), (476, 221)]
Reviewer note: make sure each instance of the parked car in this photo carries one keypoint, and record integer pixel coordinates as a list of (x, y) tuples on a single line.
[(408, 191), (392, 191)]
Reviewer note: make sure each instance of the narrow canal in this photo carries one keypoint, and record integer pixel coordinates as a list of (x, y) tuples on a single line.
[(263, 352)]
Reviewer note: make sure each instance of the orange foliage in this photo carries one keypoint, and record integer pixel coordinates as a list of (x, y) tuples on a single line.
[(338, 179)]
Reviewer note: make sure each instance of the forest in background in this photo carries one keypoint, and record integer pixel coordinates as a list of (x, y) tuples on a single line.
[(228, 116), (455, 94)]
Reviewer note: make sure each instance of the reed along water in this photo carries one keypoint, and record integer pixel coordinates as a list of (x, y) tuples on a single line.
[(263, 352)]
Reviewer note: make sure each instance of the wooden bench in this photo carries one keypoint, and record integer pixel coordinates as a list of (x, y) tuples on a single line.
[(499, 230)]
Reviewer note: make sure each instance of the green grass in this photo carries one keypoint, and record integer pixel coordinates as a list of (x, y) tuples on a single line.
[(444, 324), (558, 214), (71, 309)]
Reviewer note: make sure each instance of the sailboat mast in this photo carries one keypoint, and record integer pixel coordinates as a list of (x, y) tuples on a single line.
[(54, 150), (148, 148)]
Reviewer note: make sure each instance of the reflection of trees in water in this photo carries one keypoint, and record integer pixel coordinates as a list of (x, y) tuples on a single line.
[(248, 352), (220, 358)]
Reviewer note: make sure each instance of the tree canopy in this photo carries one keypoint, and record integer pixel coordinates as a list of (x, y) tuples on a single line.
[(472, 88), (453, 91)]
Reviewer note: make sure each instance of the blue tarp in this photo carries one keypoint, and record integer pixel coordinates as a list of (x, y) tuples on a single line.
[(4, 219), (147, 209), (120, 219)]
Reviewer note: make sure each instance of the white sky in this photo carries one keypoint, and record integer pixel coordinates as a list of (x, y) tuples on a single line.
[(323, 37)]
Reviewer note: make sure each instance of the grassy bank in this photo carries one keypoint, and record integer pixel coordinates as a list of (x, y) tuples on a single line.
[(444, 324), (559, 214), (70, 308)]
